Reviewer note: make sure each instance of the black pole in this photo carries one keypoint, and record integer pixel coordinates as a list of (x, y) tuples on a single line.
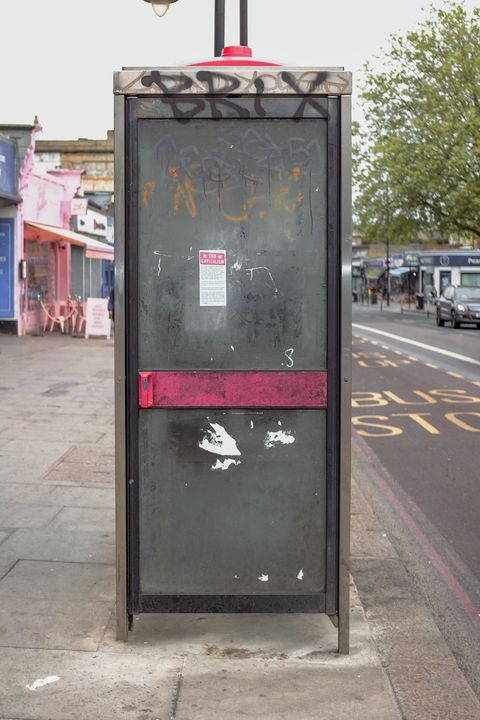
[(244, 23), (219, 27), (388, 272)]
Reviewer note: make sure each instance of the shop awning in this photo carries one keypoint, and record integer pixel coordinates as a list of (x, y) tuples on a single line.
[(94, 249), (397, 272)]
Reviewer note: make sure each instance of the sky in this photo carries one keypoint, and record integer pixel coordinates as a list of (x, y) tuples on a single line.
[(57, 57)]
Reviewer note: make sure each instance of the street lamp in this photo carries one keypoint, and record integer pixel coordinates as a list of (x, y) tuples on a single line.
[(160, 7)]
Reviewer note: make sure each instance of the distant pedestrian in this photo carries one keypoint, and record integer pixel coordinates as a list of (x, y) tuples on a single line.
[(111, 304)]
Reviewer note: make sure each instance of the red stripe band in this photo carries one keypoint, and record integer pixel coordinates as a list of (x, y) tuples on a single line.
[(270, 389)]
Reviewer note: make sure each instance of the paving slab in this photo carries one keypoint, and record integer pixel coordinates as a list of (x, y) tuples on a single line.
[(62, 545), (26, 493), (408, 634), (6, 566), (370, 544), (282, 691), (26, 464), (18, 515), (88, 686), (84, 519), (382, 581), (79, 474), (91, 455), (50, 433), (433, 692), (37, 623), (75, 582), (83, 496)]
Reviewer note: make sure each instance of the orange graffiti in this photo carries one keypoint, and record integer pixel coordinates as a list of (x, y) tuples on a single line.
[(184, 193), (262, 214), (148, 190), (247, 207), (297, 171), (173, 172)]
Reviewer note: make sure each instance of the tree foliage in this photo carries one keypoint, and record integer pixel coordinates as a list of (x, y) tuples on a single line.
[(417, 156)]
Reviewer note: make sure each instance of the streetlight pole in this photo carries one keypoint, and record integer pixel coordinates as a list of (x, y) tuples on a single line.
[(244, 23), (219, 27)]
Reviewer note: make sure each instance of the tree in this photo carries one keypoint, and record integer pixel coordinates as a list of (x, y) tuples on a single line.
[(417, 157)]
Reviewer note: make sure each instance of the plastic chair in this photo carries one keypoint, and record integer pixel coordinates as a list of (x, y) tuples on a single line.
[(54, 318)]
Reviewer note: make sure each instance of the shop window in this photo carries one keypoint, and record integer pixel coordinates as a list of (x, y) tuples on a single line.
[(40, 272), (470, 278)]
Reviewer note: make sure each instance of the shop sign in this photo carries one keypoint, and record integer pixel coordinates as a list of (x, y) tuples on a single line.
[(411, 259), (91, 223), (6, 268), (8, 179), (374, 263), (452, 260), (427, 260)]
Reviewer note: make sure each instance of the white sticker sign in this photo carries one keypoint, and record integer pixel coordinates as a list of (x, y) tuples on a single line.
[(213, 278), (98, 322)]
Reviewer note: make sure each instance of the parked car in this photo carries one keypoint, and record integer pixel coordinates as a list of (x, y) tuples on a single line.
[(459, 304)]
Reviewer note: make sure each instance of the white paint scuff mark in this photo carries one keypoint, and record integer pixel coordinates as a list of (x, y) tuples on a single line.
[(237, 265), (279, 423), (225, 464), (41, 682), (219, 442), (282, 437), (251, 424), (263, 578), (300, 575), (267, 270), (289, 355), (233, 348), (161, 255)]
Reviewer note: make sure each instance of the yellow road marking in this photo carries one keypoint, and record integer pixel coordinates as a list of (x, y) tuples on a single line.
[(476, 382), (454, 374), (413, 359), (385, 347), (398, 352), (431, 365)]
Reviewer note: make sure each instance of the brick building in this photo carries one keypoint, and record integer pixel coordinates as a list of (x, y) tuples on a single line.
[(93, 157)]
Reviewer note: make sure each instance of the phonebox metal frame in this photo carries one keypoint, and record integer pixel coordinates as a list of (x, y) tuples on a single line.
[(224, 93)]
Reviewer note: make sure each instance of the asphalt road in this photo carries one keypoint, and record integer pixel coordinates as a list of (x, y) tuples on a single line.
[(416, 423)]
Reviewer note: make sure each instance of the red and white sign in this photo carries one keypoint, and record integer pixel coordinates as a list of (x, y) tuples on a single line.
[(213, 278), (98, 322), (78, 206)]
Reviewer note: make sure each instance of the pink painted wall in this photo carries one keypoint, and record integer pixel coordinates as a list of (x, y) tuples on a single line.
[(46, 199)]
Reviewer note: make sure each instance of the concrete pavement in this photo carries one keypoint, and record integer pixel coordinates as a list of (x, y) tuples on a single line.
[(59, 659)]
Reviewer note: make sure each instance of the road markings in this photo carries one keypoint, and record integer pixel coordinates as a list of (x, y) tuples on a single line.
[(454, 374), (412, 358), (432, 348), (398, 352), (476, 382), (431, 365)]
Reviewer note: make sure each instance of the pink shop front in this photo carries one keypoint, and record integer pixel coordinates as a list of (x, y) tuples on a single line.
[(47, 268), (42, 261)]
